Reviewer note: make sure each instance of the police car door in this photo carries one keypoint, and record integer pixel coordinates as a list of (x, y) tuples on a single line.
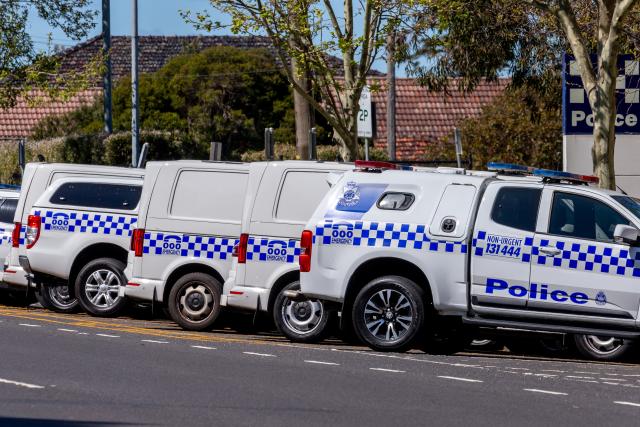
[(576, 267), (501, 246)]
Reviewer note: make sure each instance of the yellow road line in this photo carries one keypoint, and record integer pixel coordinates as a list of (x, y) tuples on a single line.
[(129, 329)]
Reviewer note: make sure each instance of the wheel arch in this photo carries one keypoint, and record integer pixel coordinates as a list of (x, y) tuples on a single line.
[(385, 266), (95, 251), (186, 269), (282, 281)]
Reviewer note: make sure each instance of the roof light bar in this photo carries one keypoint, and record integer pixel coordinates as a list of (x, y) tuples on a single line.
[(566, 176), (370, 164), (508, 167)]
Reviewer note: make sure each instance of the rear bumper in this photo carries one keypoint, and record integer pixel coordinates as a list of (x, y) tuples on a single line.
[(143, 289), (15, 276), (246, 297)]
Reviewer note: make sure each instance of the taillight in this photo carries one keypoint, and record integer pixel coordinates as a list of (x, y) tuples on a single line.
[(15, 236), (137, 241), (33, 230), (240, 249), (306, 241)]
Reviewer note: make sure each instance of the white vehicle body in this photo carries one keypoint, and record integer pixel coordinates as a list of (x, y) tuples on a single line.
[(189, 221), (281, 196), (8, 203), (459, 241), (37, 178)]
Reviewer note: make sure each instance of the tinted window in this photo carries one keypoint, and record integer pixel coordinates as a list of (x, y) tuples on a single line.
[(300, 195), (8, 210), (517, 207), (630, 203), (95, 195), (210, 195), (583, 217)]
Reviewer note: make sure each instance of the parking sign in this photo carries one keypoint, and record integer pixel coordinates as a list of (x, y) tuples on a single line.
[(365, 115)]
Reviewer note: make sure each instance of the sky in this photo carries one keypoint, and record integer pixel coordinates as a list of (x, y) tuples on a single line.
[(155, 17)]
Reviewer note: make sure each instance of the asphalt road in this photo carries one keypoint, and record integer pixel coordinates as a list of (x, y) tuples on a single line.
[(74, 370)]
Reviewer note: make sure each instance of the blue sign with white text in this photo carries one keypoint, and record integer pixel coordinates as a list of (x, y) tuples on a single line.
[(577, 117)]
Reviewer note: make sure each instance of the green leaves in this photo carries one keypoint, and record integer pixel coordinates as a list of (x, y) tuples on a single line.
[(23, 68)]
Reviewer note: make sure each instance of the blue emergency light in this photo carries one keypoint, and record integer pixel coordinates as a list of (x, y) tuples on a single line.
[(9, 187), (566, 176), (511, 168), (508, 168)]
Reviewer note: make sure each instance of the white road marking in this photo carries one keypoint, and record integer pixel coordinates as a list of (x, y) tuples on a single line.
[(469, 380), (612, 379), (396, 371), (30, 325), (582, 378), (156, 341), (203, 347), (20, 384), (83, 333), (535, 390), (553, 370), (67, 330), (621, 402), (108, 336), (519, 369), (250, 353), (319, 362)]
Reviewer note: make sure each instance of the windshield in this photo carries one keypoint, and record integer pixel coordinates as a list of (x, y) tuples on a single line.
[(631, 203)]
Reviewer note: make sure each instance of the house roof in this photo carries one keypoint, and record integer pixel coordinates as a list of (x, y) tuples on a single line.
[(153, 51), (424, 117), (18, 121)]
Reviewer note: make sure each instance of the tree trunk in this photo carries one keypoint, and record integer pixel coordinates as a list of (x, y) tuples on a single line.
[(604, 134), (603, 106), (302, 112)]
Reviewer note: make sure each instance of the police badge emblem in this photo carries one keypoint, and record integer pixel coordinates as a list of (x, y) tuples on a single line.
[(601, 298), (350, 195)]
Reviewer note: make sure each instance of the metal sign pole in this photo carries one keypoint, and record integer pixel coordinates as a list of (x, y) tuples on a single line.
[(135, 137), (457, 138)]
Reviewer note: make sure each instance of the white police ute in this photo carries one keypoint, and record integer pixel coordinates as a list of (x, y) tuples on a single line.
[(79, 232), (407, 252), (181, 251), (281, 196), (52, 288)]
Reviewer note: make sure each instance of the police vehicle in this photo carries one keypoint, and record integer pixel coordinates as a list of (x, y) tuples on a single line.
[(281, 196), (403, 253), (82, 237), (181, 251)]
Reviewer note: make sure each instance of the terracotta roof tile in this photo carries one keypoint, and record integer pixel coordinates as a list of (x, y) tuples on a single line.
[(18, 121), (424, 117)]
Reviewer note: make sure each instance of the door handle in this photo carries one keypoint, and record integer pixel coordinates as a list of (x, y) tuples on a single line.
[(549, 251)]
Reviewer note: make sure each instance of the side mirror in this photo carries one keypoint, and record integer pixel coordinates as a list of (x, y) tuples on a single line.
[(625, 234)]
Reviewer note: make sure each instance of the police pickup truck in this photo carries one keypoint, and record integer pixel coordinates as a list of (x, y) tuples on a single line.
[(409, 252)]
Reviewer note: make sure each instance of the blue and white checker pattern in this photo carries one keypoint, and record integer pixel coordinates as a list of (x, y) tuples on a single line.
[(273, 250), (595, 257), (599, 258), (5, 236), (190, 245), (380, 234), (85, 222)]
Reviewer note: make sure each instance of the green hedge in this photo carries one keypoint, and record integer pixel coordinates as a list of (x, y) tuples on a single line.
[(325, 152)]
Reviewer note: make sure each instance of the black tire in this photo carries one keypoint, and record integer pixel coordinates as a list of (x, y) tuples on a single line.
[(56, 297), (604, 348), (97, 286), (393, 312), (188, 305), (301, 321)]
